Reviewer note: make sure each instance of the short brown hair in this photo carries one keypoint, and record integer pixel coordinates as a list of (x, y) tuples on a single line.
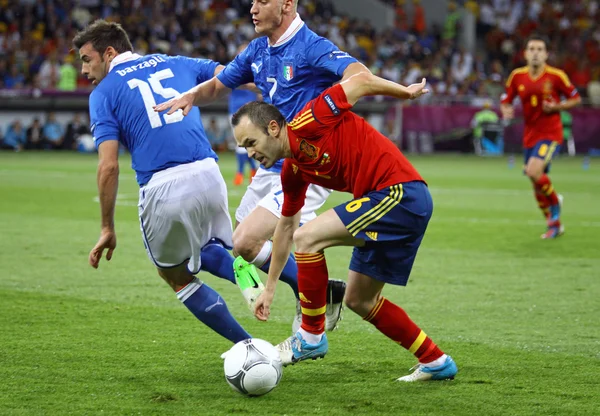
[(260, 114), (102, 34), (540, 38)]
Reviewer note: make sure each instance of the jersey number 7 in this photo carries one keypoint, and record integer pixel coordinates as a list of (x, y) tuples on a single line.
[(146, 89)]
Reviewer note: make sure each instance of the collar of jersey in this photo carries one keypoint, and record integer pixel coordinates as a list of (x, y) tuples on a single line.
[(122, 58), (295, 26)]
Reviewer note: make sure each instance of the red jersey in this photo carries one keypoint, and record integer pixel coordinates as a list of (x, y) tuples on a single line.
[(549, 86), (335, 148)]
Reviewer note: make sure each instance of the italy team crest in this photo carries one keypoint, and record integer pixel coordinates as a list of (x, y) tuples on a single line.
[(288, 71)]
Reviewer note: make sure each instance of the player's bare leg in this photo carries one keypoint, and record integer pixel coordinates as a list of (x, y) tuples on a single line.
[(206, 304), (363, 296), (253, 232), (251, 241), (327, 230), (535, 171)]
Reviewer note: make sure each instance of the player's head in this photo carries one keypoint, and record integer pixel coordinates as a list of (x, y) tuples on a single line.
[(260, 128), (98, 45), (268, 15), (536, 51)]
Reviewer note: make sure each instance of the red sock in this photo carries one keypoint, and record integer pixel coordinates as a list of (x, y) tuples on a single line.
[(546, 188), (312, 285), (543, 201), (394, 323)]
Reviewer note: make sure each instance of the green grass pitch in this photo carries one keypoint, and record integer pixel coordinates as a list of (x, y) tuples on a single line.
[(520, 316)]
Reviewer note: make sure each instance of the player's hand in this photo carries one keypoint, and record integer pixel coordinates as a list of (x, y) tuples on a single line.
[(262, 306), (183, 102), (416, 90), (508, 112), (107, 241), (550, 107)]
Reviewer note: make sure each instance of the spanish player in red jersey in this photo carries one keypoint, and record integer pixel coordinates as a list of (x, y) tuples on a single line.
[(540, 88), (326, 144)]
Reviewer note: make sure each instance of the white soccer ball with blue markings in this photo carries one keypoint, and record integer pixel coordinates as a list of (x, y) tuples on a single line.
[(253, 367)]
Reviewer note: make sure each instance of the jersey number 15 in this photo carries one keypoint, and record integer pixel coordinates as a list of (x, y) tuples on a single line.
[(146, 89)]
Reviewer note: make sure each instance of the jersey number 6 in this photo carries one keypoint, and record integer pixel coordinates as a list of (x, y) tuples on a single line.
[(146, 89), (356, 204)]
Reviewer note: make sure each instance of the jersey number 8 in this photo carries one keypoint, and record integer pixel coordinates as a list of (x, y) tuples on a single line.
[(146, 89)]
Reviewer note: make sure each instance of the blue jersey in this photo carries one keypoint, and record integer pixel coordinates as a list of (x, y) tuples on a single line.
[(295, 70), (121, 109), (240, 97)]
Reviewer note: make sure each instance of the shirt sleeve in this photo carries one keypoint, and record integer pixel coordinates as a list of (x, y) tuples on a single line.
[(203, 68), (239, 71), (294, 189), (325, 55), (103, 122), (566, 88), (321, 114), (510, 91)]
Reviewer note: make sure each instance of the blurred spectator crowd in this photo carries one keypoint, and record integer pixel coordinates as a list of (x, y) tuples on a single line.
[(35, 48), (49, 134)]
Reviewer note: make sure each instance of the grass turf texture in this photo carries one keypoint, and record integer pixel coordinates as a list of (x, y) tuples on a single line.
[(519, 315)]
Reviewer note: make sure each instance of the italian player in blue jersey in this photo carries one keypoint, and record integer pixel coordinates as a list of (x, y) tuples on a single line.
[(183, 207), (291, 65)]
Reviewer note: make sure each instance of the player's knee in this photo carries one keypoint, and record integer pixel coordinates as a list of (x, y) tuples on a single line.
[(533, 172), (177, 278), (304, 240), (246, 245), (356, 303)]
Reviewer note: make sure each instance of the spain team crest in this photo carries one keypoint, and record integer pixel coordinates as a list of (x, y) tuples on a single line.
[(288, 71), (309, 150)]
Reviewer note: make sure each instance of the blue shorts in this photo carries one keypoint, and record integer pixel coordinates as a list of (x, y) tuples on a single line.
[(392, 222), (545, 150)]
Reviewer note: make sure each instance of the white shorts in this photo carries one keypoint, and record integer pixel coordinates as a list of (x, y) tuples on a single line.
[(265, 191), (181, 209)]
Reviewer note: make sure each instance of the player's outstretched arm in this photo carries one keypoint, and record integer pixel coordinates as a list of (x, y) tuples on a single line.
[(282, 246), (108, 183), (201, 94), (365, 83), (354, 68)]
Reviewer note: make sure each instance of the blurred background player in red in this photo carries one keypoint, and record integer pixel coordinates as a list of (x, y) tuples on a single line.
[(540, 88), (238, 98)]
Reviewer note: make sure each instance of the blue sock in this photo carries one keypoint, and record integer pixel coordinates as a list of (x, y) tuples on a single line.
[(241, 161), (216, 260), (210, 308), (289, 274)]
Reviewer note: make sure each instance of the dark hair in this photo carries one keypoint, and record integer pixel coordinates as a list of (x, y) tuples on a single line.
[(103, 34), (539, 37), (260, 114)]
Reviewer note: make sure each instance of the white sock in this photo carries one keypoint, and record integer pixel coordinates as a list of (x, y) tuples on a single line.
[(263, 255), (436, 363), (309, 337)]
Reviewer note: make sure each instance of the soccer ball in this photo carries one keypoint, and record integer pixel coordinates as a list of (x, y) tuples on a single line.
[(253, 367), (85, 143)]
